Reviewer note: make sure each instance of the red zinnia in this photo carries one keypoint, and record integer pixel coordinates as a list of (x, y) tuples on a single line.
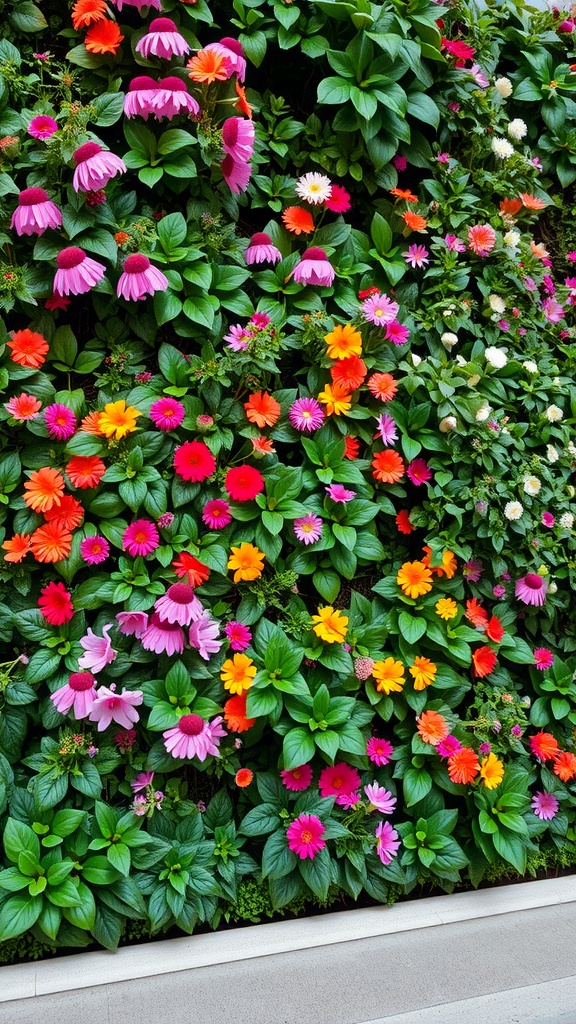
[(544, 746), (68, 514), (349, 373), (243, 483), (403, 521), (495, 630), (476, 614), (483, 661), (55, 603), (28, 348), (187, 565), (85, 471), (103, 37), (193, 461), (351, 447), (463, 766), (388, 466)]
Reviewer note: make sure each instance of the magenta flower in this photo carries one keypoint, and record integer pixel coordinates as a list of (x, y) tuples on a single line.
[(548, 519), (545, 806), (238, 134), (386, 429), (484, 748), (552, 310), (314, 268), (418, 472), (472, 570), (95, 167), (167, 413), (531, 589), (261, 250), (239, 636), (162, 637), (448, 746), (237, 338), (416, 255), (387, 842), (42, 127), (308, 529), (232, 50), (400, 162), (77, 273), (94, 550), (216, 514), (454, 243), (396, 333), (203, 635), (173, 98), (338, 200), (337, 779), (379, 751), (139, 279), (297, 779), (141, 96), (306, 414), (478, 75), (304, 836), (99, 650), (142, 780), (499, 591), (179, 605), (132, 623), (60, 421), (381, 799), (162, 40), (140, 538), (379, 309), (339, 493), (543, 658), (236, 174), (110, 706), (79, 693), (35, 213), (194, 737)]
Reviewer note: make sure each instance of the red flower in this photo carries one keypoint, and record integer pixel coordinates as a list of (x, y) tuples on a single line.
[(193, 461), (243, 483), (55, 603), (85, 471), (476, 614), (68, 514), (403, 521), (565, 765), (351, 447), (495, 630), (349, 373), (187, 565), (483, 661)]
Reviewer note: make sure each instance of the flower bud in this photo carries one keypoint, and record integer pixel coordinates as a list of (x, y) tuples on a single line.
[(447, 424)]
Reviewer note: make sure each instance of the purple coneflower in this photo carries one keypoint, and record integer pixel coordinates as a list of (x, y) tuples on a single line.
[(314, 268), (531, 589), (308, 529), (379, 309), (545, 806), (162, 40), (94, 550), (386, 428), (77, 273), (95, 167), (162, 637), (416, 255), (232, 50), (60, 421), (238, 135), (261, 250), (140, 99), (194, 737), (167, 413), (173, 98), (132, 623), (35, 213), (203, 635), (306, 414), (236, 174), (139, 279), (179, 605), (79, 693), (42, 127)]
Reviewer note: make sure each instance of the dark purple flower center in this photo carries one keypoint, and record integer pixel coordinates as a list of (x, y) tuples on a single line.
[(162, 25), (232, 44), (314, 254), (86, 151), (533, 581), (136, 264), (260, 238), (180, 593), (70, 257), (81, 681), (172, 84), (32, 197), (191, 725), (142, 84)]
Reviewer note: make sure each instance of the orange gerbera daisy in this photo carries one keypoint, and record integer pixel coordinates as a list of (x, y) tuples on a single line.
[(544, 745), (28, 348), (532, 202), (207, 67), (235, 714), (349, 373), (51, 543), (405, 194), (414, 221), (104, 37), (85, 471), (297, 220), (423, 672), (336, 400), (343, 341), (415, 579), (90, 424), (382, 386), (242, 104), (432, 727), (262, 445), (262, 409), (45, 489), (510, 207), (17, 547), (388, 466), (463, 766), (68, 514), (565, 765), (85, 12)]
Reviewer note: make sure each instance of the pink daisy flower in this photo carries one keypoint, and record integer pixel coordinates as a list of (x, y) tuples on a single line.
[(552, 310), (338, 201), (203, 635), (548, 519), (232, 50), (110, 706), (194, 737), (140, 538), (173, 98), (304, 836), (132, 623), (139, 279), (448, 746), (42, 127), (77, 273), (545, 806), (35, 213), (379, 751), (381, 799), (237, 338), (472, 570), (396, 333), (261, 250), (337, 779), (314, 268), (236, 174), (481, 239), (216, 514), (60, 421), (454, 244), (387, 842), (79, 693), (99, 650), (297, 779), (308, 529), (531, 589), (94, 550), (238, 134), (239, 636), (543, 658), (162, 40), (167, 413), (386, 429), (23, 407), (179, 605), (416, 256), (339, 493), (141, 96), (418, 472), (162, 637), (95, 167), (379, 309), (306, 414)]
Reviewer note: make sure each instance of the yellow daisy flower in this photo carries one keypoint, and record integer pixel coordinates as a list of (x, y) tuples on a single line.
[(118, 419), (389, 676), (331, 626)]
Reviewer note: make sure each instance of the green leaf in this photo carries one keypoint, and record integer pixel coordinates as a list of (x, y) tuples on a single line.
[(298, 748), (417, 783), (412, 629), (27, 17), (18, 915), (119, 856), (19, 837), (334, 90), (277, 859), (260, 820), (108, 107), (381, 233), (316, 873)]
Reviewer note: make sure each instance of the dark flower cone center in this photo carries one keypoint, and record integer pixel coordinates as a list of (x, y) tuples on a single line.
[(81, 681), (136, 264), (261, 238), (191, 725), (314, 254), (180, 593), (162, 25), (230, 131), (86, 151), (533, 581), (32, 197), (232, 44), (142, 84), (172, 84)]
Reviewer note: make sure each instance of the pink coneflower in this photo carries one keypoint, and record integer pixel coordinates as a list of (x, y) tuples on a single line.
[(448, 746), (531, 589), (139, 279), (194, 737), (304, 836), (416, 255), (173, 98), (163, 637), (306, 414), (79, 693), (297, 779), (162, 40), (261, 250), (77, 273), (232, 50), (543, 658), (379, 309), (167, 413), (42, 127), (23, 407), (237, 338), (379, 751), (481, 239), (386, 428), (238, 134), (454, 244), (140, 538), (99, 650), (203, 635), (216, 514), (472, 570), (548, 519), (239, 636), (396, 333), (387, 842), (380, 798), (60, 421), (94, 550), (235, 174), (110, 706), (337, 779), (339, 493), (308, 529), (544, 805), (35, 213), (95, 167), (338, 200), (132, 623), (314, 268), (179, 605), (418, 472), (141, 96)]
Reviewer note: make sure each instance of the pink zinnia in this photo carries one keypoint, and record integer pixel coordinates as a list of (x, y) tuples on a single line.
[(297, 779), (418, 472), (23, 407), (194, 737), (99, 650), (416, 256), (308, 529), (314, 268), (304, 836), (95, 167), (338, 201), (387, 841), (35, 213), (261, 250), (379, 751), (339, 493), (162, 637), (77, 273), (79, 693), (167, 413), (379, 309), (179, 605), (140, 538), (238, 135), (306, 414), (239, 636), (94, 550), (236, 174), (139, 279), (110, 706), (162, 40), (481, 239), (531, 589), (396, 333), (216, 514), (543, 658), (545, 806), (232, 50), (203, 636), (141, 96), (132, 623), (42, 127), (60, 421), (448, 746), (338, 779)]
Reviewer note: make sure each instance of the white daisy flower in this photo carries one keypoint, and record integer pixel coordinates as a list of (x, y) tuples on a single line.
[(513, 510), (554, 414), (532, 485), (496, 303), (517, 129), (314, 188), (504, 87), (511, 239), (502, 149), (530, 365)]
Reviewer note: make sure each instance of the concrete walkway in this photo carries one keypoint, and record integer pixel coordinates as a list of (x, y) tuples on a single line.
[(500, 968)]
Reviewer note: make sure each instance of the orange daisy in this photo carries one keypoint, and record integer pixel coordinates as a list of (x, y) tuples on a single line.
[(235, 714), (68, 514), (336, 400), (262, 409), (510, 207), (349, 373), (104, 37), (343, 341), (432, 727), (207, 67), (298, 220), (243, 777), (414, 221), (17, 547), (388, 466), (28, 348), (405, 194), (475, 613), (85, 471), (532, 202), (45, 489), (85, 12), (565, 765), (382, 386), (463, 766), (262, 445), (449, 563), (51, 543), (91, 424)]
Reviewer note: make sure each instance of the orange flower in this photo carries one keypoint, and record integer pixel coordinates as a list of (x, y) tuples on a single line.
[(335, 399), (17, 547), (343, 341), (103, 37), (476, 614), (449, 563), (51, 543), (242, 104), (351, 446), (484, 661), (510, 207), (189, 566), (405, 194), (432, 727), (388, 466), (414, 221), (423, 672), (565, 765), (68, 514), (532, 202), (463, 766), (262, 409), (262, 445), (85, 12), (544, 746), (45, 489), (85, 471), (91, 424), (207, 67), (243, 777), (495, 630), (415, 579), (28, 348), (539, 250), (382, 386), (349, 373), (298, 220), (235, 714)]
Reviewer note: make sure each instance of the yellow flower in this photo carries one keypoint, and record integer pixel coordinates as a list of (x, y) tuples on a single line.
[(237, 673), (423, 672), (446, 608), (415, 579), (389, 675), (248, 562), (118, 419), (449, 564), (336, 400), (343, 342), (491, 771), (330, 626)]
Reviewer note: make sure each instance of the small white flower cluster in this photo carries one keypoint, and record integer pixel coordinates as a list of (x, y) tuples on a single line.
[(513, 510), (554, 414), (504, 87), (483, 412), (502, 149), (497, 303), (566, 521), (530, 365), (517, 129)]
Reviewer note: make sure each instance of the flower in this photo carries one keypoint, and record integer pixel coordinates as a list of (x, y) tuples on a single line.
[(414, 221), (85, 471), (216, 514), (340, 494), (304, 836), (141, 98), (548, 520), (415, 579), (389, 676), (531, 589), (544, 805), (501, 148), (262, 409), (543, 658), (236, 174), (565, 765), (237, 673), (463, 766), (132, 623), (338, 201), (261, 250), (68, 514), (243, 483), (139, 279), (314, 188), (194, 737), (484, 661), (388, 466), (194, 462), (379, 309), (416, 256), (513, 510), (306, 414), (110, 706), (397, 334), (167, 413), (77, 273), (23, 407), (297, 779), (99, 652), (338, 780), (349, 373), (50, 543), (532, 485), (28, 348), (314, 268), (382, 386), (481, 239), (297, 220), (95, 167), (239, 636), (35, 213), (235, 714), (504, 87), (238, 136), (343, 341), (60, 421), (103, 37), (446, 608), (172, 98), (162, 637), (162, 40), (495, 357), (208, 66), (140, 538), (79, 693), (423, 671), (335, 399), (566, 521), (491, 771), (432, 727), (247, 561), (330, 625), (533, 203), (495, 630), (179, 604), (387, 842), (553, 413), (308, 529), (243, 777), (516, 130), (379, 751), (44, 489), (55, 603), (418, 472), (233, 51), (42, 127), (450, 745)]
